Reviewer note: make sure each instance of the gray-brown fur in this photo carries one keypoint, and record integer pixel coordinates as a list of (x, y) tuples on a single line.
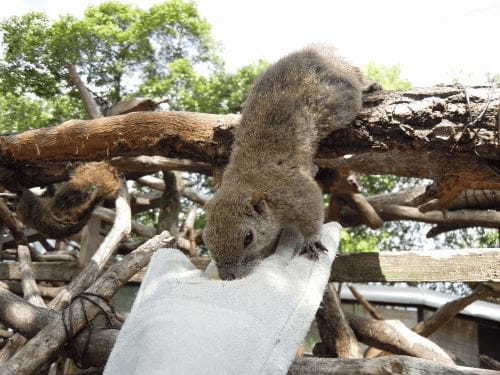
[(269, 182), (67, 212)]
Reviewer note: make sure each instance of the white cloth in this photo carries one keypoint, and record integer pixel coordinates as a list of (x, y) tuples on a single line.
[(184, 323)]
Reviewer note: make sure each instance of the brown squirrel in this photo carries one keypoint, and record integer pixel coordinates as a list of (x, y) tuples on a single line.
[(269, 181), (67, 212)]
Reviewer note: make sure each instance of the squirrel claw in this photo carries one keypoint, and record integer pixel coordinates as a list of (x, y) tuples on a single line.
[(312, 249)]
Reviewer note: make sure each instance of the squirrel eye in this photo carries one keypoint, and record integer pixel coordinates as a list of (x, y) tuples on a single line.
[(248, 239)]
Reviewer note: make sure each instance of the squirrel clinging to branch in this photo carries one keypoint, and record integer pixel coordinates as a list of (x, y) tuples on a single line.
[(67, 212), (269, 181)]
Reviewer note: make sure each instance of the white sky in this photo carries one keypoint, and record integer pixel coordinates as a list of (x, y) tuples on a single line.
[(433, 41)]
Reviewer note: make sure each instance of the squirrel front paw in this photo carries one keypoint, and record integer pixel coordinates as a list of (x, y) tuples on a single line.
[(312, 250)]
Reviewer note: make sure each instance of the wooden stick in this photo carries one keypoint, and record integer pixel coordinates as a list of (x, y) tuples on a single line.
[(31, 294), (14, 225), (109, 216), (30, 288), (121, 229), (158, 184), (151, 164), (364, 302), (333, 327), (449, 310), (393, 336)]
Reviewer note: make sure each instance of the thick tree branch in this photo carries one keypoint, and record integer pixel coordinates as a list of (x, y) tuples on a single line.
[(410, 133), (178, 134)]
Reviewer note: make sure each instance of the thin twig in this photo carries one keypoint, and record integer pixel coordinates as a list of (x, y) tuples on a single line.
[(12, 223), (364, 302)]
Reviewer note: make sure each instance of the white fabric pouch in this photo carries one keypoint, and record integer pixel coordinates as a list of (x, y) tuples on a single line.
[(183, 322)]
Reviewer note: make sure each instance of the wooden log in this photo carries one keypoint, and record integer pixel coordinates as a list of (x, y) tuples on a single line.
[(177, 134), (393, 365), (406, 133), (334, 329)]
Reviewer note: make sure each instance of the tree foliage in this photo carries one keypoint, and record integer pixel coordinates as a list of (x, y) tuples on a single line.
[(389, 77), (186, 89), (111, 46)]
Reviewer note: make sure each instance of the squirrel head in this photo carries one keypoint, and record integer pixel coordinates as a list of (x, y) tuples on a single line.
[(240, 231)]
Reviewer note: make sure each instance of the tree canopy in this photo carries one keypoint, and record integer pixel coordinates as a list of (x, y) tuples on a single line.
[(120, 51)]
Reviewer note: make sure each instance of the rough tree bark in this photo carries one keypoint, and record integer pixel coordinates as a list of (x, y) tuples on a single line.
[(411, 133)]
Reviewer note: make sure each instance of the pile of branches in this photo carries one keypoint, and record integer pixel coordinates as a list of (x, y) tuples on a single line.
[(443, 133)]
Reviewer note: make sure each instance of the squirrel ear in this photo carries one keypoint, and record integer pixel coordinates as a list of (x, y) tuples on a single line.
[(258, 202)]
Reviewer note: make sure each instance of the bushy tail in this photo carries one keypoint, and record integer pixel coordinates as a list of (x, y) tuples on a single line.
[(67, 212)]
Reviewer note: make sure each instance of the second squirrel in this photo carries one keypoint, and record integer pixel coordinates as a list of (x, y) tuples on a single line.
[(68, 211), (269, 182)]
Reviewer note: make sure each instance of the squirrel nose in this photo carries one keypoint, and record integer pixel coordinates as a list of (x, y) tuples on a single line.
[(226, 274)]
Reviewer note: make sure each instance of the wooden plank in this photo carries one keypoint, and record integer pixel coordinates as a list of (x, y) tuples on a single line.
[(55, 271), (428, 266)]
